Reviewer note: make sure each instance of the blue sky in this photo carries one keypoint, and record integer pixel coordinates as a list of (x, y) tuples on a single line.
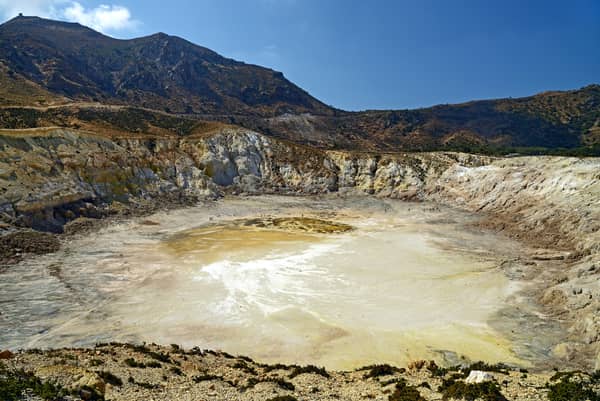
[(373, 54)]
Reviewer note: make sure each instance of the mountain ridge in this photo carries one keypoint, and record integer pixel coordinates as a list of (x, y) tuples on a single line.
[(158, 71), (52, 63)]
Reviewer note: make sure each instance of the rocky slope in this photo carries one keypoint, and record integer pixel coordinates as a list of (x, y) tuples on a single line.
[(46, 175), (54, 175), (534, 124), (162, 72), (127, 372)]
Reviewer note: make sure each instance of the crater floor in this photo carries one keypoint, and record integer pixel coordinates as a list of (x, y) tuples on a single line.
[(334, 281)]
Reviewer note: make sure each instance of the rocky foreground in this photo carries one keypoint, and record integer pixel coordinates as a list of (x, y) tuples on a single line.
[(151, 372)]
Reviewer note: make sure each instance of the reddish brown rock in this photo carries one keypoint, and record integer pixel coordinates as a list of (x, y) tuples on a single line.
[(6, 354)]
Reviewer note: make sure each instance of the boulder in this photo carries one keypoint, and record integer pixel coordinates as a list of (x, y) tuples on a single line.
[(6, 354), (478, 376)]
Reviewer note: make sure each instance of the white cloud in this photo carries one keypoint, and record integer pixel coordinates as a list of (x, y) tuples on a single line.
[(104, 18)]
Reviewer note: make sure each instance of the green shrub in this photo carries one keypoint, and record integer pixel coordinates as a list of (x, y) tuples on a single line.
[(88, 393), (153, 364), (283, 398), (146, 385), (176, 370), (487, 391), (159, 356), (439, 371), (298, 370), (13, 383), (498, 367), (283, 384), (253, 381), (391, 381), (110, 378), (572, 388), (404, 392), (380, 370), (202, 378), (143, 349), (245, 358), (244, 367), (277, 366), (572, 391), (134, 364)]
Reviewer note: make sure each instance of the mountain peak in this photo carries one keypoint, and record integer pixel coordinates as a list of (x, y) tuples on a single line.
[(158, 71), (32, 20)]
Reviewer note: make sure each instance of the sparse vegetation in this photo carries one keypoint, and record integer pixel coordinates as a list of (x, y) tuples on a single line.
[(146, 385), (438, 371), (110, 378), (397, 384), (175, 370), (133, 363), (404, 392), (379, 370), (202, 378), (283, 398), (153, 364), (283, 384), (14, 383), (245, 358), (277, 366), (459, 390), (298, 370), (574, 386), (245, 367), (498, 367), (209, 377), (227, 355), (159, 356)]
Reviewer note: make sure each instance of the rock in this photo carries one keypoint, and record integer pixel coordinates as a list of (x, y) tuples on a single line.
[(79, 225), (6, 354), (562, 350), (85, 394), (478, 376), (149, 223), (554, 297), (91, 380)]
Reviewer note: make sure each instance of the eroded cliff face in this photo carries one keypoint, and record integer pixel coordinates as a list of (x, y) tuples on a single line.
[(553, 205), (49, 177)]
